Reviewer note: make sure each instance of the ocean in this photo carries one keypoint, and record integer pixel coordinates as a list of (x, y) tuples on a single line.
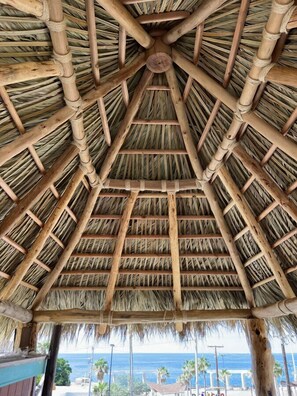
[(147, 364)]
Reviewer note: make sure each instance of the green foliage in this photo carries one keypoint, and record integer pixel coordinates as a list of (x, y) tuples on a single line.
[(43, 347), (203, 366), (101, 367), (163, 374), (121, 387), (63, 372), (38, 379), (277, 370), (140, 389), (118, 390), (224, 373), (100, 389)]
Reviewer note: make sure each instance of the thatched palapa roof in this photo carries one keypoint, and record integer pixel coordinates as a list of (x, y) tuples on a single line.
[(148, 158)]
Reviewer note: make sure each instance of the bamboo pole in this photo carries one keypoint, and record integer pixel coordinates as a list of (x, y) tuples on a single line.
[(116, 259), (74, 239), (19, 72), (116, 9), (117, 318), (34, 7), (207, 188), (196, 18), (91, 21), (18, 212), (153, 217), (174, 248), (152, 195), (15, 312), (256, 232), (262, 360), (152, 152), (151, 236), (40, 241), (136, 255), (148, 272), (122, 57), (162, 17), (266, 181), (287, 145), (61, 116), (153, 185), (150, 288)]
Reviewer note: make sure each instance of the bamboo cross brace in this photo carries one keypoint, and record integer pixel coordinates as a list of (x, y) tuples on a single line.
[(61, 116), (207, 188), (228, 72), (91, 21), (122, 56), (24, 204), (201, 13), (117, 255), (174, 248), (18, 123), (256, 232), (40, 241)]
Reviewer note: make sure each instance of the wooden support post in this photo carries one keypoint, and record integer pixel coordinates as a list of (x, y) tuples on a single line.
[(117, 10), (256, 232), (207, 188), (196, 18), (26, 337), (117, 255), (174, 247), (32, 197), (19, 72), (49, 377), (37, 246), (262, 360)]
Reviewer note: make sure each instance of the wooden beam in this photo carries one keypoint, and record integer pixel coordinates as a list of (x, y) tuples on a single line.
[(162, 17), (19, 211), (174, 248), (61, 116), (116, 259), (266, 181), (256, 232), (145, 272), (150, 236), (151, 195), (201, 13), (73, 241), (282, 75), (92, 33), (276, 310), (15, 312), (34, 7), (50, 372), (155, 122), (153, 185), (152, 152), (262, 360), (207, 188), (287, 145), (153, 217), (136, 255), (116, 9), (117, 318), (40, 241), (19, 72), (125, 125), (151, 288)]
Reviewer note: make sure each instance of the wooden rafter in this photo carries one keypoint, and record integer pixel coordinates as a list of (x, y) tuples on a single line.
[(117, 10), (122, 57), (117, 254), (151, 288), (175, 260), (152, 195), (39, 243), (31, 198), (151, 236), (196, 18), (153, 217), (287, 145), (163, 17), (136, 255), (256, 232), (90, 14), (230, 64), (153, 185), (207, 188), (61, 116), (149, 272)]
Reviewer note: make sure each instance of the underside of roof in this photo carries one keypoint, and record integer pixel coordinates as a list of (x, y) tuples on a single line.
[(148, 155)]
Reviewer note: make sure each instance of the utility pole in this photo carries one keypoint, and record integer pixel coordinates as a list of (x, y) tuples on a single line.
[(110, 369), (286, 369), (217, 365), (196, 366), (90, 374), (131, 385)]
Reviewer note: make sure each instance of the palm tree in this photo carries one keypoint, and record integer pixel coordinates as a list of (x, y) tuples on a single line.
[(184, 379), (224, 375), (100, 389), (277, 372), (203, 366), (101, 367), (163, 374), (188, 372)]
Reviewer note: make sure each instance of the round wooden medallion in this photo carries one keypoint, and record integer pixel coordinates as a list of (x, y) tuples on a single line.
[(159, 62)]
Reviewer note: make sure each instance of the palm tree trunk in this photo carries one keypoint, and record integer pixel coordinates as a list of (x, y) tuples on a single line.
[(204, 374), (225, 384)]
